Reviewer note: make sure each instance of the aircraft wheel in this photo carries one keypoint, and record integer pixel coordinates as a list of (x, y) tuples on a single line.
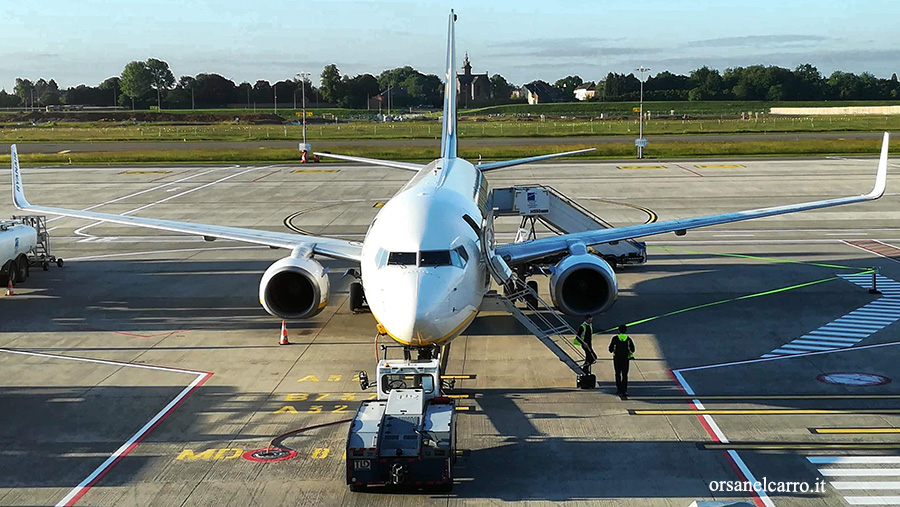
[(529, 299), (356, 297), (59, 263)]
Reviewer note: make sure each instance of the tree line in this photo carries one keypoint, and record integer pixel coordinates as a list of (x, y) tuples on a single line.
[(151, 83)]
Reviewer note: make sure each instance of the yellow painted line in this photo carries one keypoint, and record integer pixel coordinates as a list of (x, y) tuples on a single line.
[(460, 396), (853, 431), (641, 167), (63, 152), (765, 411), (459, 377), (379, 204), (463, 409), (316, 171), (145, 172), (800, 446), (718, 166)]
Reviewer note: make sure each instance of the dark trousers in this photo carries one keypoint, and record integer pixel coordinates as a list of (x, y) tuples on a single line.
[(589, 356), (621, 366)]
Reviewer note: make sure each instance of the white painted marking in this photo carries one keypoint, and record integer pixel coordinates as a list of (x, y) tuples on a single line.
[(805, 347), (872, 321), (787, 351), (853, 460), (860, 472), (150, 252), (762, 495), (865, 485), (873, 500), (816, 345), (838, 333), (780, 358), (124, 448), (95, 206), (81, 230), (834, 339), (851, 328)]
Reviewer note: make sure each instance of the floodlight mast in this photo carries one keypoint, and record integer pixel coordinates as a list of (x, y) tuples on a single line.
[(641, 143), (303, 76)]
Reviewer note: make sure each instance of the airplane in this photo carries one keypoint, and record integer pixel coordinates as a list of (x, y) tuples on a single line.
[(429, 256)]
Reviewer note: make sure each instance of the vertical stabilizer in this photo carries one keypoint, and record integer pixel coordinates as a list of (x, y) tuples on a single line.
[(448, 138)]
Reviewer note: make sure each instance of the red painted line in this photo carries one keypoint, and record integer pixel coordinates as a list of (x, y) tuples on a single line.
[(134, 444), (265, 176), (757, 500), (167, 333), (688, 170), (863, 245)]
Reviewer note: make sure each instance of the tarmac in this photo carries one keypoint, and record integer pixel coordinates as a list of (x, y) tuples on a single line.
[(143, 371)]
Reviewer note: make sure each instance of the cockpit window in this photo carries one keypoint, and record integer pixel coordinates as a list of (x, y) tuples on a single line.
[(459, 257), (402, 259), (434, 258)]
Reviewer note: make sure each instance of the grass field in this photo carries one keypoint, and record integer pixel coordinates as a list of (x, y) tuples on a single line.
[(89, 132), (624, 150)]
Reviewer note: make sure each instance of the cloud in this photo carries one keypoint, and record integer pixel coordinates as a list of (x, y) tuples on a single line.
[(755, 41), (567, 47)]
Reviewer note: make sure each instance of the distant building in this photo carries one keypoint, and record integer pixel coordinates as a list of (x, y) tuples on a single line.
[(586, 91), (540, 92), (471, 87)]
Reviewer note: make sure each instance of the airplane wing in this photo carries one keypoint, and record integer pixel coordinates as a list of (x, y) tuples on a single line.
[(517, 253), (374, 161), (329, 247), (490, 166)]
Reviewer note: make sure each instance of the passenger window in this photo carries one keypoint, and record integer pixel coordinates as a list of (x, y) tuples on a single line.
[(434, 258), (402, 259)]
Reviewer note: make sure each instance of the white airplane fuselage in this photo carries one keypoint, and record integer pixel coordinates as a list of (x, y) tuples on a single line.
[(422, 264)]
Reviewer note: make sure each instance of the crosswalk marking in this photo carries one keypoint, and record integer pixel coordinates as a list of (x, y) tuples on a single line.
[(836, 467), (852, 328)]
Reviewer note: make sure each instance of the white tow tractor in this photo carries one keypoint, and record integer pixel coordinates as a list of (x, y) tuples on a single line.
[(407, 436)]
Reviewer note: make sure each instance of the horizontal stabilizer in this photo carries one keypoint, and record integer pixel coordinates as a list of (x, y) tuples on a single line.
[(490, 166), (374, 161)]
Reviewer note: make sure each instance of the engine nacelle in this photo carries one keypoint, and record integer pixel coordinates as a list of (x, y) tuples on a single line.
[(583, 284), (294, 288)]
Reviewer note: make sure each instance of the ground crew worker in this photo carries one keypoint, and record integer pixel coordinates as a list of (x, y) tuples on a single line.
[(622, 349), (583, 338)]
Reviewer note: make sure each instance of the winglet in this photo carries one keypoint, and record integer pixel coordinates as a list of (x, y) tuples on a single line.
[(17, 188), (881, 176)]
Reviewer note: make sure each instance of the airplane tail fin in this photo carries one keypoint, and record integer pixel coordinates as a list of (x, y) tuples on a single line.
[(448, 137), (17, 189)]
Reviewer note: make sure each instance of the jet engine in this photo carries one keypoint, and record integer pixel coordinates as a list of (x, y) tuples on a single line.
[(294, 288), (583, 284)]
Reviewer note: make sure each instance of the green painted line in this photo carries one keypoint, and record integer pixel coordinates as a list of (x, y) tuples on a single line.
[(768, 259), (730, 300)]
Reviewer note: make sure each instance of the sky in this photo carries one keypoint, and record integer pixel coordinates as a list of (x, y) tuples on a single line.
[(86, 41)]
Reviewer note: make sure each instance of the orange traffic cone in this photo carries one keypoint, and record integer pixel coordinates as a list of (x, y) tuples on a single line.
[(9, 287), (284, 338)]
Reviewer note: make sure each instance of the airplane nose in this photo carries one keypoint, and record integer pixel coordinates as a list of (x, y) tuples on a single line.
[(414, 317)]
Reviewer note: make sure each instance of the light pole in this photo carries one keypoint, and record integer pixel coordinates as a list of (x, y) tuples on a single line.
[(303, 76), (641, 142)]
